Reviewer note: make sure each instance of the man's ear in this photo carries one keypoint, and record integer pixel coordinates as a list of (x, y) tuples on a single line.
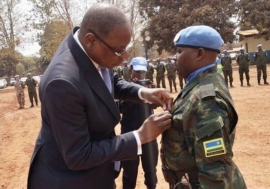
[(90, 39), (200, 54)]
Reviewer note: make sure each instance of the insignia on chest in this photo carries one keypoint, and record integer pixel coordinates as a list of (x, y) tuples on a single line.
[(214, 147)]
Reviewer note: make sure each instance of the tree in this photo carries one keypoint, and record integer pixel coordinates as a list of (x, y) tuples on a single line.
[(255, 14), (54, 33), (165, 18)]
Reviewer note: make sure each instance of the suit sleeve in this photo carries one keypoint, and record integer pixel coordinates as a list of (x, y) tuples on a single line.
[(65, 109)]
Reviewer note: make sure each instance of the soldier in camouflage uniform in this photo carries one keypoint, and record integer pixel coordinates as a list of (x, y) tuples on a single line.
[(19, 86), (243, 62), (119, 71), (260, 59), (196, 152), (126, 71), (171, 70), (160, 68), (31, 84), (226, 63), (150, 71)]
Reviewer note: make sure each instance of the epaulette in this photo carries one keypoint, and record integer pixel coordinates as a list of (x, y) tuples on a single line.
[(207, 88)]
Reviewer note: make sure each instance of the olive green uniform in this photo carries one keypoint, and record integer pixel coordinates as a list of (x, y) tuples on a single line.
[(31, 84), (201, 137), (260, 59), (126, 73), (171, 74), (160, 68), (150, 72), (226, 63), (243, 62)]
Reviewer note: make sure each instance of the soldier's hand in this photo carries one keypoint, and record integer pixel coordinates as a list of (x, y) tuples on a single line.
[(154, 126)]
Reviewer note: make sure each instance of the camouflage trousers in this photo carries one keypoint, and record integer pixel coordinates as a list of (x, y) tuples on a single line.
[(181, 81), (241, 73), (20, 97), (161, 79), (228, 76), (172, 82), (33, 94), (261, 68)]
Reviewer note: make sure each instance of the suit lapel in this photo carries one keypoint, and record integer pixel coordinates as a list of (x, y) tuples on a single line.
[(92, 75)]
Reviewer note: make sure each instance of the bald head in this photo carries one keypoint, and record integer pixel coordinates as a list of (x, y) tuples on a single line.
[(102, 18)]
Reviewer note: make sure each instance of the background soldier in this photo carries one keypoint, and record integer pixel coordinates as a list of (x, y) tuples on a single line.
[(150, 71), (19, 86), (196, 152), (226, 63), (170, 67), (181, 81), (31, 84), (160, 67), (119, 71), (260, 59), (243, 62), (126, 71)]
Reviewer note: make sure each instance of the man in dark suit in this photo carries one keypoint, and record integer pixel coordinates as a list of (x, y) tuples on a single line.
[(77, 146)]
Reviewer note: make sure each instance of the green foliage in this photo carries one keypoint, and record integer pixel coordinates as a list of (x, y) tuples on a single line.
[(255, 14), (8, 61), (20, 69), (167, 17)]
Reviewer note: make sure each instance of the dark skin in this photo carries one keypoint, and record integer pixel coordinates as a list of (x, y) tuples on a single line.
[(118, 39), (191, 59)]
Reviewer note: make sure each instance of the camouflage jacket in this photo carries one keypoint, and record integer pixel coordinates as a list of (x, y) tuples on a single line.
[(126, 73), (243, 60), (202, 133), (260, 57), (170, 69), (226, 63), (160, 69), (150, 72), (19, 86), (31, 84)]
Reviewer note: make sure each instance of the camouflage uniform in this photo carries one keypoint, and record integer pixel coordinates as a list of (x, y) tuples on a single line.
[(201, 138), (126, 73), (181, 81), (260, 59), (243, 62), (119, 71), (226, 63), (31, 84), (150, 72), (170, 67), (19, 86), (160, 74)]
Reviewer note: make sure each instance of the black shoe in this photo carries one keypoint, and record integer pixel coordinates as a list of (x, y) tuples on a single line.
[(32, 106), (266, 83)]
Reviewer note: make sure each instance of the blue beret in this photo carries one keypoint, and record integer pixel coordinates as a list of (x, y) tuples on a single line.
[(199, 37), (139, 64)]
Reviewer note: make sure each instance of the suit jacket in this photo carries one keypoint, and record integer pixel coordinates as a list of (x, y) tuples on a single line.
[(77, 146)]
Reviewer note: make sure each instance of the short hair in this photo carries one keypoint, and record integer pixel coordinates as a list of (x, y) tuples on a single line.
[(102, 18)]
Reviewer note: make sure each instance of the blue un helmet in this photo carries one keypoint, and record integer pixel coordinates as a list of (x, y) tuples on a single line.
[(199, 37)]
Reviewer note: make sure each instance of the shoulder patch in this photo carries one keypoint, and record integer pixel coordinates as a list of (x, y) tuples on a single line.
[(207, 88), (214, 147)]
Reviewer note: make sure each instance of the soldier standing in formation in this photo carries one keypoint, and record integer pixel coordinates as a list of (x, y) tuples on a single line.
[(181, 81), (160, 67), (31, 84), (226, 63), (243, 62), (150, 71), (261, 60), (126, 71), (170, 67), (196, 152), (19, 86)]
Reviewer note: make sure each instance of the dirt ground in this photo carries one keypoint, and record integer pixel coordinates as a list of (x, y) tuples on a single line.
[(19, 129)]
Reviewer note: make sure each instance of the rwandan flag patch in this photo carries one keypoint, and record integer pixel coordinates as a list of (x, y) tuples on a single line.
[(214, 147)]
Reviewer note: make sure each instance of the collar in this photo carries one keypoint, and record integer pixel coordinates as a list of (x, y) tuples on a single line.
[(200, 70)]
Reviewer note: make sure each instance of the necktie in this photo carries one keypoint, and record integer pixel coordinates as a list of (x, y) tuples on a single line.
[(106, 78)]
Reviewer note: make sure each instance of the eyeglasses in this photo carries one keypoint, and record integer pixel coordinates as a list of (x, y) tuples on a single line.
[(115, 52)]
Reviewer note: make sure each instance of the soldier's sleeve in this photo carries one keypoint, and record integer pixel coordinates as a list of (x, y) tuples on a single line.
[(212, 146), (248, 59)]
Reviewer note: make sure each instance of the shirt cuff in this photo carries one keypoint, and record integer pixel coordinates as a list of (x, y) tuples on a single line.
[(139, 144), (140, 96)]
